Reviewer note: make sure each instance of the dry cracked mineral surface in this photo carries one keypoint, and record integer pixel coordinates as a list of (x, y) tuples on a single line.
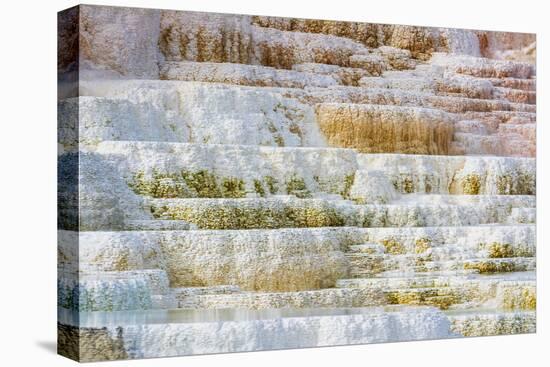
[(244, 183)]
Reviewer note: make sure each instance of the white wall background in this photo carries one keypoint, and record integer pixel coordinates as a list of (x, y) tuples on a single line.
[(28, 182)]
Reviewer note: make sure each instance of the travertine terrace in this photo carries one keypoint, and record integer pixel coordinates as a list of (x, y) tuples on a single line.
[(236, 183)]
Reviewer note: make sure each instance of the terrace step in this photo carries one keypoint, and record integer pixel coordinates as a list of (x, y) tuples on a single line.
[(385, 96), (287, 116), (516, 145), (486, 322), (323, 298), (320, 251), (250, 44), (516, 95), (485, 68), (157, 225), (453, 175), (241, 74), (515, 83), (376, 35), (261, 172), (523, 215), (505, 291), (439, 279), (408, 264), (288, 212), (314, 327), (495, 118)]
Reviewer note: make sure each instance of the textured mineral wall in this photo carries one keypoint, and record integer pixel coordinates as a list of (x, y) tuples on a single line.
[(383, 129)]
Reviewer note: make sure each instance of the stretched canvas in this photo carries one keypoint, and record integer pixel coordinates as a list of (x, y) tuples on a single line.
[(233, 183)]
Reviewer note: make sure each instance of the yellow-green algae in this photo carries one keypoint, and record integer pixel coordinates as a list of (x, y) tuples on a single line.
[(120, 262), (488, 266), (407, 185), (497, 250), (440, 297), (233, 188), (471, 184), (404, 184), (259, 188), (187, 184), (485, 325), (159, 185), (421, 245), (296, 186), (393, 247), (205, 184), (234, 217), (348, 183), (524, 298), (521, 184), (279, 140), (271, 183)]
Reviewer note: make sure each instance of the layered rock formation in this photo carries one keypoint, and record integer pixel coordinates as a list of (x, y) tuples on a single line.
[(244, 183)]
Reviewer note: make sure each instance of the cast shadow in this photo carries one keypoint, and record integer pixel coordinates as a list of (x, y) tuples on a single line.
[(48, 345)]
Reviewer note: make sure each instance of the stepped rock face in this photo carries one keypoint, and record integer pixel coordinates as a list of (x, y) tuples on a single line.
[(374, 129), (237, 183)]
